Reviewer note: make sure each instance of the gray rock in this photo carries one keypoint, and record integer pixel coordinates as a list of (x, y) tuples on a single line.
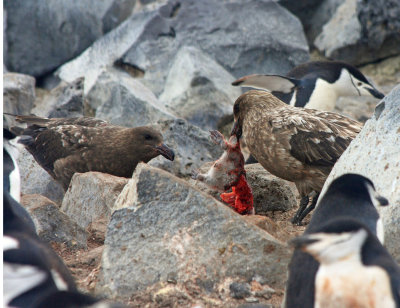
[(314, 14), (299, 7), (64, 101), (197, 89), (105, 51), (320, 16), (5, 45), (18, 95), (148, 40), (375, 153), (91, 196), (362, 31), (164, 229), (35, 180), (224, 31), (239, 290), (122, 100), (44, 34), (52, 225), (270, 193), (117, 12), (191, 145)]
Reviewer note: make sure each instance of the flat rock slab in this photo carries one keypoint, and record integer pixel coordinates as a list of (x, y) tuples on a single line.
[(163, 229), (375, 153), (270, 193), (52, 225), (91, 196)]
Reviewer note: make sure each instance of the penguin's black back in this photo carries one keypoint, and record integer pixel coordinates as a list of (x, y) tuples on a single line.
[(326, 70), (347, 196)]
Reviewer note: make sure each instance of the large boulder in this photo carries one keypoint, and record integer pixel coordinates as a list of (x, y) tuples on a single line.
[(52, 225), (164, 230), (270, 193), (314, 14), (35, 180), (18, 95), (105, 51), (375, 153), (43, 34), (223, 30), (91, 196), (191, 145), (197, 89), (148, 40), (362, 31), (122, 100)]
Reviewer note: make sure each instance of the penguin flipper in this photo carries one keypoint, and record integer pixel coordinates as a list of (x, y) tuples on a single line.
[(272, 83)]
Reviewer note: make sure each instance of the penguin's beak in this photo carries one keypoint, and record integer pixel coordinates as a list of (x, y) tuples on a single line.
[(165, 151), (382, 200), (375, 93), (236, 130), (302, 241)]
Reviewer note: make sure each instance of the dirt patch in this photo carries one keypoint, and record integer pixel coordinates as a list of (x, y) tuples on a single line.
[(84, 264)]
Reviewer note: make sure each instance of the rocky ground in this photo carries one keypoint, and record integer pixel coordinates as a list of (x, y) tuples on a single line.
[(162, 239), (85, 263)]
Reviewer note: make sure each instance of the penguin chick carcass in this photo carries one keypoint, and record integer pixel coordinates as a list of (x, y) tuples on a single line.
[(228, 172)]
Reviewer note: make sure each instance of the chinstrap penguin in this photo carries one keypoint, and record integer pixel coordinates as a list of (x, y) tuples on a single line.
[(355, 270), (350, 195)]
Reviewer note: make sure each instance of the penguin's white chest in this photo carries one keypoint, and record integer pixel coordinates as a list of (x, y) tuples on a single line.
[(352, 285), (324, 96)]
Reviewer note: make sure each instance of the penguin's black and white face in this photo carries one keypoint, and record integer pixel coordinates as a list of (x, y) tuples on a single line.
[(349, 84), (332, 247)]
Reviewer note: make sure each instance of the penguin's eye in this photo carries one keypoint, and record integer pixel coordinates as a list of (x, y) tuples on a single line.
[(359, 84), (148, 137)]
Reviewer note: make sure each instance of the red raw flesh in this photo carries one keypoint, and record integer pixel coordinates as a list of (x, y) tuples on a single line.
[(241, 197)]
